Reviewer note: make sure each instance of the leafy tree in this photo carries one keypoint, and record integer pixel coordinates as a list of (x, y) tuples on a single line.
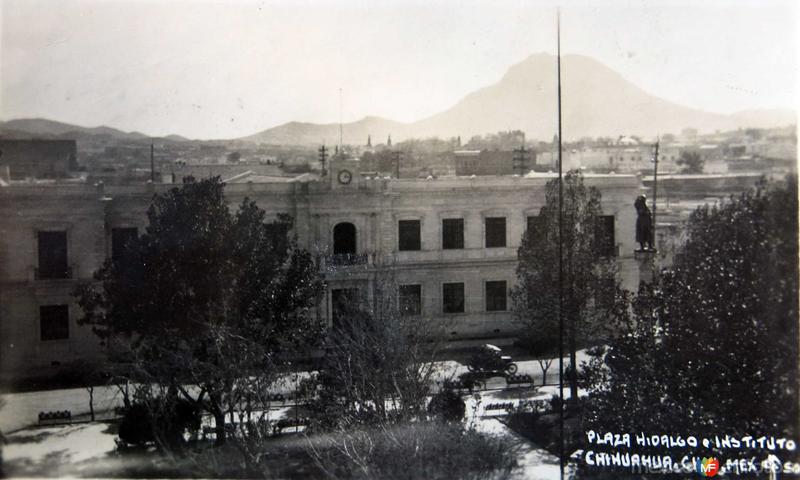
[(205, 297), (593, 303), (691, 162), (505, 140), (714, 344)]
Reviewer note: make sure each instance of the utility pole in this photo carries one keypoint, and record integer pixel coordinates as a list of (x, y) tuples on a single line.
[(560, 257), (655, 191), (152, 165), (323, 157), (396, 156), (340, 119), (520, 160)]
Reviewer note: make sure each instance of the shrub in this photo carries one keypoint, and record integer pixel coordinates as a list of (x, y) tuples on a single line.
[(447, 405), (596, 351), (471, 380), (430, 450), (555, 403), (136, 427), (144, 423)]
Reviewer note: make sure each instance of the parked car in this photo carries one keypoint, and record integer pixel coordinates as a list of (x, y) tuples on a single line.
[(489, 359)]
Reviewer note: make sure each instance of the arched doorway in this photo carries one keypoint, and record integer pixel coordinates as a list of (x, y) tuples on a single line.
[(344, 239)]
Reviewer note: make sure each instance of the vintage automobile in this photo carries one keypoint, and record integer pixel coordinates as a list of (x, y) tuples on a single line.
[(490, 359)]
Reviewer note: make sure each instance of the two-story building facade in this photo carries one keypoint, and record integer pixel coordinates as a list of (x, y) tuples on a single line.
[(451, 244)]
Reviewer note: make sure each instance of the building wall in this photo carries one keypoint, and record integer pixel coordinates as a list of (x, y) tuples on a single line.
[(88, 214)]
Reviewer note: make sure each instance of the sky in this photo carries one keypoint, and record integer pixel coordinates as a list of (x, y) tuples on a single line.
[(217, 69)]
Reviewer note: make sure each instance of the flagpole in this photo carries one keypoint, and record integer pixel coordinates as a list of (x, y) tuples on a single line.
[(560, 258)]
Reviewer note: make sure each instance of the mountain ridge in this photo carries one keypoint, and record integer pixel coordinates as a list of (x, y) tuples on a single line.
[(20, 128), (596, 101)]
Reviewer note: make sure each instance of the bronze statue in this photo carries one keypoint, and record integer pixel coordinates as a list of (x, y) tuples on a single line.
[(644, 224)]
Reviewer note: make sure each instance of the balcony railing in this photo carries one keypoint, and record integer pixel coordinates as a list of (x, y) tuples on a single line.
[(346, 259), (52, 273)]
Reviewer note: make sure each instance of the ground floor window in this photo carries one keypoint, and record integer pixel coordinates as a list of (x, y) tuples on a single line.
[(410, 300), (453, 298), (344, 302), (54, 322), (496, 296)]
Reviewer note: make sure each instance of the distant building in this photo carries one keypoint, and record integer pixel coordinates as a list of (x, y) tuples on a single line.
[(489, 162), (39, 158)]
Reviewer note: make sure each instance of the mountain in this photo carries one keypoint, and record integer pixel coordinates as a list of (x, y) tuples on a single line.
[(353, 133), (43, 128), (596, 101)]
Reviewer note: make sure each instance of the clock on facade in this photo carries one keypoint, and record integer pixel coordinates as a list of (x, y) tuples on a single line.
[(345, 177)]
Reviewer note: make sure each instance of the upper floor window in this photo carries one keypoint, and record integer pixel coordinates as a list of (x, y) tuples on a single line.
[(52, 255), (54, 322), (120, 237), (410, 300), (452, 233), (453, 298), (496, 296), (344, 239), (409, 235), (495, 232)]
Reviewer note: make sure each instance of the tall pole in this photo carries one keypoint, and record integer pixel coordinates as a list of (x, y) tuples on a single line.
[(560, 258), (396, 156), (340, 120), (323, 156), (152, 165), (518, 162), (655, 192)]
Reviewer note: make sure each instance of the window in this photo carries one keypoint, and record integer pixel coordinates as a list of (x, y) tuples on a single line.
[(452, 233), (604, 236), (54, 322), (605, 293), (344, 239), (344, 302), (453, 298), (409, 235), (410, 300), (495, 232), (496, 296), (52, 255), (119, 241)]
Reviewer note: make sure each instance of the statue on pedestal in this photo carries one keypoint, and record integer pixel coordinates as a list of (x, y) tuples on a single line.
[(644, 224)]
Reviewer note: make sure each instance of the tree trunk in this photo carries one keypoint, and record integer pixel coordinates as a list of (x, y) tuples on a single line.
[(545, 366), (91, 402), (573, 378), (219, 419)]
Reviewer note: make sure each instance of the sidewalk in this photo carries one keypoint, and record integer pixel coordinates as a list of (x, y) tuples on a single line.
[(534, 463)]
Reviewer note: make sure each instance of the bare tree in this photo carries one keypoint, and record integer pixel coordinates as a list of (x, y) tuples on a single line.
[(380, 361)]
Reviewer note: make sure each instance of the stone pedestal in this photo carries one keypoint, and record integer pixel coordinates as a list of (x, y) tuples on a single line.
[(646, 259)]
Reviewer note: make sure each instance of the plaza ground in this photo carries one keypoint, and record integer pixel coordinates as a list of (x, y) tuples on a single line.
[(88, 449)]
